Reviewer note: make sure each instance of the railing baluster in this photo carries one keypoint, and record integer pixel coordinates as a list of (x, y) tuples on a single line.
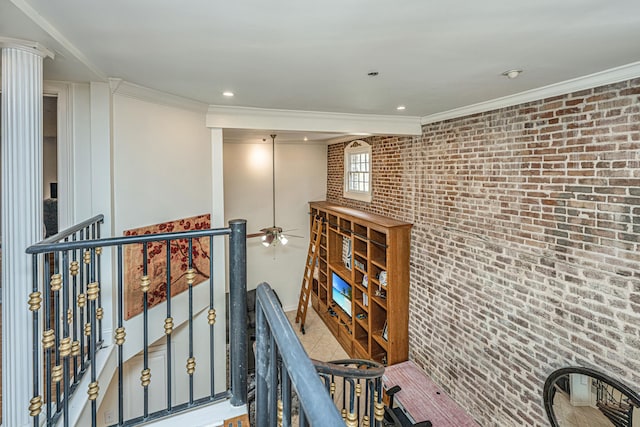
[(352, 396), (65, 335), (367, 401), (81, 304), (120, 335), (370, 390), (168, 327), (190, 361), (35, 300), (92, 296), (212, 319), (56, 328), (74, 310), (273, 381), (89, 279), (145, 328), (378, 388), (48, 340), (99, 280), (358, 397), (344, 395), (286, 398)]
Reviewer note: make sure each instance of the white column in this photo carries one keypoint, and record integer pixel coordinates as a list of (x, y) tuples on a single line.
[(21, 217), (219, 248)]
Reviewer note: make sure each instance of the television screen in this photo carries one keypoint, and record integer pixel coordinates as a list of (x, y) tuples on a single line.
[(341, 293)]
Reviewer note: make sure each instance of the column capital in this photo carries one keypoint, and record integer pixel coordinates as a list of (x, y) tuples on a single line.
[(26, 45)]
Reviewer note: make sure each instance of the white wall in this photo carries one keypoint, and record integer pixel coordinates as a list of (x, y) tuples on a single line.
[(161, 171), (161, 163), (301, 176), (82, 186)]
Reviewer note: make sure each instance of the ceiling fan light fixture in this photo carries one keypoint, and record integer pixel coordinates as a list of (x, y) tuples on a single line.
[(283, 239), (267, 240), (273, 236)]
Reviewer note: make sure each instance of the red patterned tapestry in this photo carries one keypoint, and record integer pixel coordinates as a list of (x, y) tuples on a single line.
[(157, 263)]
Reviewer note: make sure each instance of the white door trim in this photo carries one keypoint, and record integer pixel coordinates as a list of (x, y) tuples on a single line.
[(65, 142)]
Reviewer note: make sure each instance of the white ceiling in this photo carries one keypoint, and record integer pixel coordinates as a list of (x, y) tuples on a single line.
[(431, 55)]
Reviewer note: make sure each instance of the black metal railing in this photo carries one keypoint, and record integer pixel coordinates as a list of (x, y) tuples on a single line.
[(67, 315), (67, 282), (355, 386), (66, 350), (613, 404), (283, 366)]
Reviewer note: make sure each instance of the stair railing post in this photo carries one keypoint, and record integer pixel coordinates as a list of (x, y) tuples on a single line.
[(238, 311)]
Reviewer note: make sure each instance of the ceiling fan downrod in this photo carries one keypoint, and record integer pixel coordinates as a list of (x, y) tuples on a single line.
[(273, 236)]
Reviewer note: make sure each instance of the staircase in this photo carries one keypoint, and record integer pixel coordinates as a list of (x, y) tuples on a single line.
[(615, 408)]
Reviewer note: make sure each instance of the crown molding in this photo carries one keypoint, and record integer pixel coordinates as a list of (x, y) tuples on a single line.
[(26, 45), (132, 90), (311, 121), (47, 27), (613, 75)]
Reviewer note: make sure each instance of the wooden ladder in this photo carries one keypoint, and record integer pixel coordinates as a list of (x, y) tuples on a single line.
[(307, 278)]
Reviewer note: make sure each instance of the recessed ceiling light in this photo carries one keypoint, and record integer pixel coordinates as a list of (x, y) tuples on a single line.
[(512, 74), (401, 107), (306, 139), (228, 94)]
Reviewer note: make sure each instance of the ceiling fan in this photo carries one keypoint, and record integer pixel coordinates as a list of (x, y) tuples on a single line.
[(272, 236)]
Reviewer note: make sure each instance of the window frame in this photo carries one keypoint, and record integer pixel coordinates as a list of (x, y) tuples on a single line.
[(357, 147)]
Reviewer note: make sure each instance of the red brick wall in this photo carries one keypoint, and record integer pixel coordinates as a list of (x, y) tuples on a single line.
[(526, 245)]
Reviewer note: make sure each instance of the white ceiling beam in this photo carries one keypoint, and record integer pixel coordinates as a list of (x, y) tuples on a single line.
[(311, 121)]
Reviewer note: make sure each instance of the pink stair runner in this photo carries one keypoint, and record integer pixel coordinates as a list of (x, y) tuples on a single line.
[(422, 399)]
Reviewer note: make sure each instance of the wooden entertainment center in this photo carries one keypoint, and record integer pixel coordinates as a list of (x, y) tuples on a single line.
[(367, 312)]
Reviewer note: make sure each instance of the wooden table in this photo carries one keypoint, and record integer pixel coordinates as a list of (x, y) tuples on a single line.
[(422, 399)]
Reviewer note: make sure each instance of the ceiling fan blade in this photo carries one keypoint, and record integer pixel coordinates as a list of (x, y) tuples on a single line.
[(294, 235), (252, 235)]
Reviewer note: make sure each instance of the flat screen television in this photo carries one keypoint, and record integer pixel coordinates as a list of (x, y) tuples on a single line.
[(341, 293)]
